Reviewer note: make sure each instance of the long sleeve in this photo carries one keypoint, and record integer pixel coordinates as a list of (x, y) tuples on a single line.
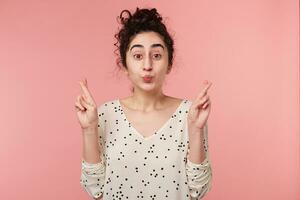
[(199, 176), (92, 177)]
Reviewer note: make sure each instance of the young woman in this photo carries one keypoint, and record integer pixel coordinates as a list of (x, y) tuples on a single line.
[(148, 145)]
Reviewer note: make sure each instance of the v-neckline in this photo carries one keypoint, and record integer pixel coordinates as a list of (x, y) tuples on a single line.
[(155, 132)]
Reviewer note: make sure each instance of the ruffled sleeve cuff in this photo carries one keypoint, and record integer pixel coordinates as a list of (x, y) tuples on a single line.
[(199, 177), (93, 178)]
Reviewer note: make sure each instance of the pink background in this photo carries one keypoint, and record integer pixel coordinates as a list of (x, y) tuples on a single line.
[(249, 50)]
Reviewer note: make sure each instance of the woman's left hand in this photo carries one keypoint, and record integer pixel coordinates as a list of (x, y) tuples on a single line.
[(200, 109)]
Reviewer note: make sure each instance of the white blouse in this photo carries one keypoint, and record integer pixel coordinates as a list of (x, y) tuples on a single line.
[(136, 167)]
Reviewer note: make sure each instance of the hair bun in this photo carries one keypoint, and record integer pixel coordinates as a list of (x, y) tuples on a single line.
[(140, 16), (144, 15)]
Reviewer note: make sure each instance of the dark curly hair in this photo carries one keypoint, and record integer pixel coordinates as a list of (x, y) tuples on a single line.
[(143, 20)]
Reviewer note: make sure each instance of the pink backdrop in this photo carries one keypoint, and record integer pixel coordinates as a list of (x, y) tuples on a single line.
[(248, 49)]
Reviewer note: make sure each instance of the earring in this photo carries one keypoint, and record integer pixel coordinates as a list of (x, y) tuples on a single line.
[(169, 69)]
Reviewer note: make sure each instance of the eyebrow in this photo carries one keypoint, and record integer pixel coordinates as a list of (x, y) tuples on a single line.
[(152, 46)]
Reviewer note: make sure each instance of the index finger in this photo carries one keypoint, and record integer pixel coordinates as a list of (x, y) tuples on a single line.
[(85, 90), (204, 90)]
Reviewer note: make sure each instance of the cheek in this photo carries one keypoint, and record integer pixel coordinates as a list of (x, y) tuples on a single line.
[(128, 61), (162, 67), (133, 73), (161, 74), (131, 67)]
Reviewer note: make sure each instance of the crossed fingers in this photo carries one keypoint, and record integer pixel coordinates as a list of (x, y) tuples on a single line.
[(202, 98)]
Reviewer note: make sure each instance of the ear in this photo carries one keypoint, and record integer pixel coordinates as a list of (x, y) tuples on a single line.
[(169, 69)]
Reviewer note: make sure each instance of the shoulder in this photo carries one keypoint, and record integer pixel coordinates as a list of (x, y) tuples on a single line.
[(107, 105), (187, 102), (184, 101), (184, 105)]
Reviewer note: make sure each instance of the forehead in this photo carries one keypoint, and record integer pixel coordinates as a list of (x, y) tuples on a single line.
[(147, 39)]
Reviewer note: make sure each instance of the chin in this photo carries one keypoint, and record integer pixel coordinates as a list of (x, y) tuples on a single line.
[(148, 87)]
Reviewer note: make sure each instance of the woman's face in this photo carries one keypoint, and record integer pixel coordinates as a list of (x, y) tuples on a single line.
[(147, 55)]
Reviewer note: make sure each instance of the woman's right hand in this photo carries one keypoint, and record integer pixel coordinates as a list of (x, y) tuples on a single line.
[(86, 108)]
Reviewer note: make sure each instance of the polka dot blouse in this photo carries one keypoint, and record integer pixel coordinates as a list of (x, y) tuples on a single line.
[(136, 167)]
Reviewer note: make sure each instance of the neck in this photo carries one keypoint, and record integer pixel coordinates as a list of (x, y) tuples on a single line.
[(147, 101)]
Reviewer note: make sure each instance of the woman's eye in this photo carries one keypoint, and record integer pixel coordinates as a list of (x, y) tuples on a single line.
[(157, 56), (137, 56)]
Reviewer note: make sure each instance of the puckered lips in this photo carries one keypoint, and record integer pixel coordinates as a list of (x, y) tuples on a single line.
[(147, 78)]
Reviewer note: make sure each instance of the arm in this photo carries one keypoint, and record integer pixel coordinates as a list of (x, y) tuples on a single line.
[(93, 166), (196, 152), (198, 168), (90, 145)]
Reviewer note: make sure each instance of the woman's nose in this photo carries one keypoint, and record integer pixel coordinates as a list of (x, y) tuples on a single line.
[(147, 64)]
